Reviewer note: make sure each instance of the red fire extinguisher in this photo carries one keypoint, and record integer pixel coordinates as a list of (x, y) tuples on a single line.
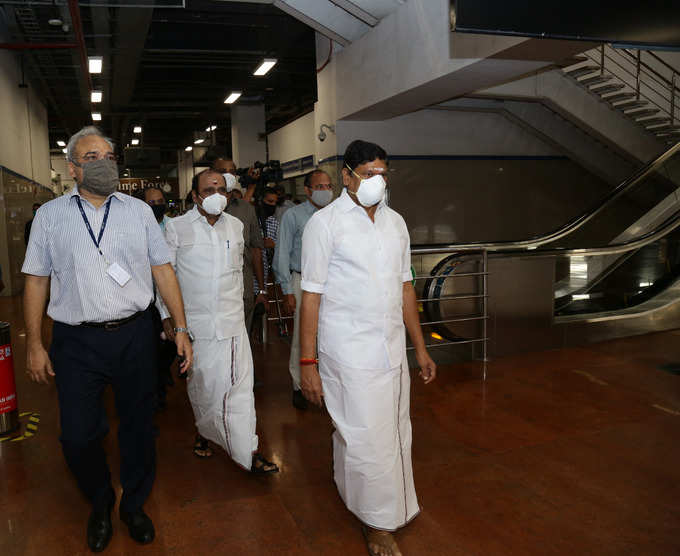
[(9, 413)]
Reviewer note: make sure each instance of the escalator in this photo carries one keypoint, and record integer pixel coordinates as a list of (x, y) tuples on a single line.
[(620, 258)]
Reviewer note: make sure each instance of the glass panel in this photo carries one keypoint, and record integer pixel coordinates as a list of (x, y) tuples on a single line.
[(613, 282), (18, 196), (649, 203)]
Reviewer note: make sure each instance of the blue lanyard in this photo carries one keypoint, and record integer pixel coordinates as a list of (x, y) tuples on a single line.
[(89, 228)]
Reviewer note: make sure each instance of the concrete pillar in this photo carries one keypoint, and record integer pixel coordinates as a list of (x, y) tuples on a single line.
[(247, 126), (185, 172)]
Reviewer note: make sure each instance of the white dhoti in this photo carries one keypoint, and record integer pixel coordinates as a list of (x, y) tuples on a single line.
[(294, 360), (372, 441), (220, 388)]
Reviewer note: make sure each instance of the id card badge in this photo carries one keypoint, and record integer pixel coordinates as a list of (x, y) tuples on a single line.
[(118, 273)]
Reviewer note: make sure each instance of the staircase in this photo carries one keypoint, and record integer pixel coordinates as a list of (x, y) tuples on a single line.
[(637, 83)]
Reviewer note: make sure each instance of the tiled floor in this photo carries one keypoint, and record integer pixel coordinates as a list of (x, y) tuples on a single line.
[(564, 452)]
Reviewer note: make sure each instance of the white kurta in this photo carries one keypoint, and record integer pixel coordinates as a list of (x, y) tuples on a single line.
[(208, 261), (359, 267)]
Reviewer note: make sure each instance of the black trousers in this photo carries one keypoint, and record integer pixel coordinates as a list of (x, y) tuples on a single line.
[(166, 352), (87, 360)]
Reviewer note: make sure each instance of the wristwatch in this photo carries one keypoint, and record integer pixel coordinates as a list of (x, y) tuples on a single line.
[(178, 329)]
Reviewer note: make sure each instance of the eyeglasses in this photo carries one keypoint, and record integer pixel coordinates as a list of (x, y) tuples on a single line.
[(92, 156), (370, 172)]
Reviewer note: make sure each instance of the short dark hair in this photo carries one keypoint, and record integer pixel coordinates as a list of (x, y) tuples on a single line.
[(215, 153), (308, 175), (360, 152), (197, 177), (36, 205), (141, 193)]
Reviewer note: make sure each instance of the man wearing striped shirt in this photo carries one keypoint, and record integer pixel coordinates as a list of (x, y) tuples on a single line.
[(287, 263), (96, 251)]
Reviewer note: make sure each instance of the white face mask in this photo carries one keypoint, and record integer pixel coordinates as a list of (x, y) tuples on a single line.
[(321, 197), (371, 191), (230, 179), (214, 204)]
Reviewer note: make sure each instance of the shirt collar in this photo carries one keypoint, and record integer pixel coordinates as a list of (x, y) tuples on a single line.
[(195, 215), (122, 197), (309, 207), (345, 202)]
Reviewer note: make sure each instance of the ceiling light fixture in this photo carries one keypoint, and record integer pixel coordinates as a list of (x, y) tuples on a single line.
[(135, 141), (232, 98), (64, 151), (265, 66), (198, 141), (211, 128), (189, 148), (96, 96), (61, 144), (55, 22), (95, 64), (137, 129), (96, 116)]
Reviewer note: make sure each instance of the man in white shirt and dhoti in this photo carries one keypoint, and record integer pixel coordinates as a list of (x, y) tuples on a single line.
[(357, 293), (206, 250)]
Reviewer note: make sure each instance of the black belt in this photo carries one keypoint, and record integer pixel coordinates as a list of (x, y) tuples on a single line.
[(114, 324)]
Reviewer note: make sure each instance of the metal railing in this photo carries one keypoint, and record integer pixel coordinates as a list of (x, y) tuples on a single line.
[(282, 320), (483, 315), (635, 68)]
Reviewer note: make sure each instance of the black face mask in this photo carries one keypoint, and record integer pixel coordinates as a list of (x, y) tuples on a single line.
[(158, 211), (268, 210)]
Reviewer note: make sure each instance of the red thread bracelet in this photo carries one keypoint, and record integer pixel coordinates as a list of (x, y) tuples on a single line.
[(306, 361)]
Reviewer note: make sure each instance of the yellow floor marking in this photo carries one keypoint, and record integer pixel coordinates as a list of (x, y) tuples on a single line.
[(590, 377), (665, 409), (31, 427)]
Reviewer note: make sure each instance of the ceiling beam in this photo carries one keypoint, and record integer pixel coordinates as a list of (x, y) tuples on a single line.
[(313, 23), (352, 9), (131, 32)]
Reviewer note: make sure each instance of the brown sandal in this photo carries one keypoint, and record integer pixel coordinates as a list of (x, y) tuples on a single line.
[(262, 466), (202, 447)]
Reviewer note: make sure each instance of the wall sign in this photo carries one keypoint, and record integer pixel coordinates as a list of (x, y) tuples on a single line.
[(169, 186)]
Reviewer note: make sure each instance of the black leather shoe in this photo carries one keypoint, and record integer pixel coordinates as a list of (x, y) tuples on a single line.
[(299, 401), (99, 529), (140, 525)]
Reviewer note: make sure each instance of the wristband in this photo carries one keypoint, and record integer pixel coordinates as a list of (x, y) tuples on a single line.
[(307, 361)]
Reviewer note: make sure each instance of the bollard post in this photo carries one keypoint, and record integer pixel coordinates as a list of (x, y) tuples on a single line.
[(9, 414)]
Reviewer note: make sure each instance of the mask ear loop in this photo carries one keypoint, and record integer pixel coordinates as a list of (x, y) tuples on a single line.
[(353, 193)]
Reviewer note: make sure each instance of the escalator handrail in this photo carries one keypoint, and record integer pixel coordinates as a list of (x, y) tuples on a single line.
[(571, 226), (612, 249)]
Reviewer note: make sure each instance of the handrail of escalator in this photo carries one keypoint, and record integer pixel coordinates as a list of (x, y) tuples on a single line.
[(667, 227), (571, 226)]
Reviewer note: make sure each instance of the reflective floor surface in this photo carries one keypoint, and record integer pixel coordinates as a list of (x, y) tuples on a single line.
[(575, 451)]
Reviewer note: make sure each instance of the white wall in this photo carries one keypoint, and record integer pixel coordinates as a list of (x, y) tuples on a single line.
[(411, 60), (442, 132), (293, 140), (24, 143)]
